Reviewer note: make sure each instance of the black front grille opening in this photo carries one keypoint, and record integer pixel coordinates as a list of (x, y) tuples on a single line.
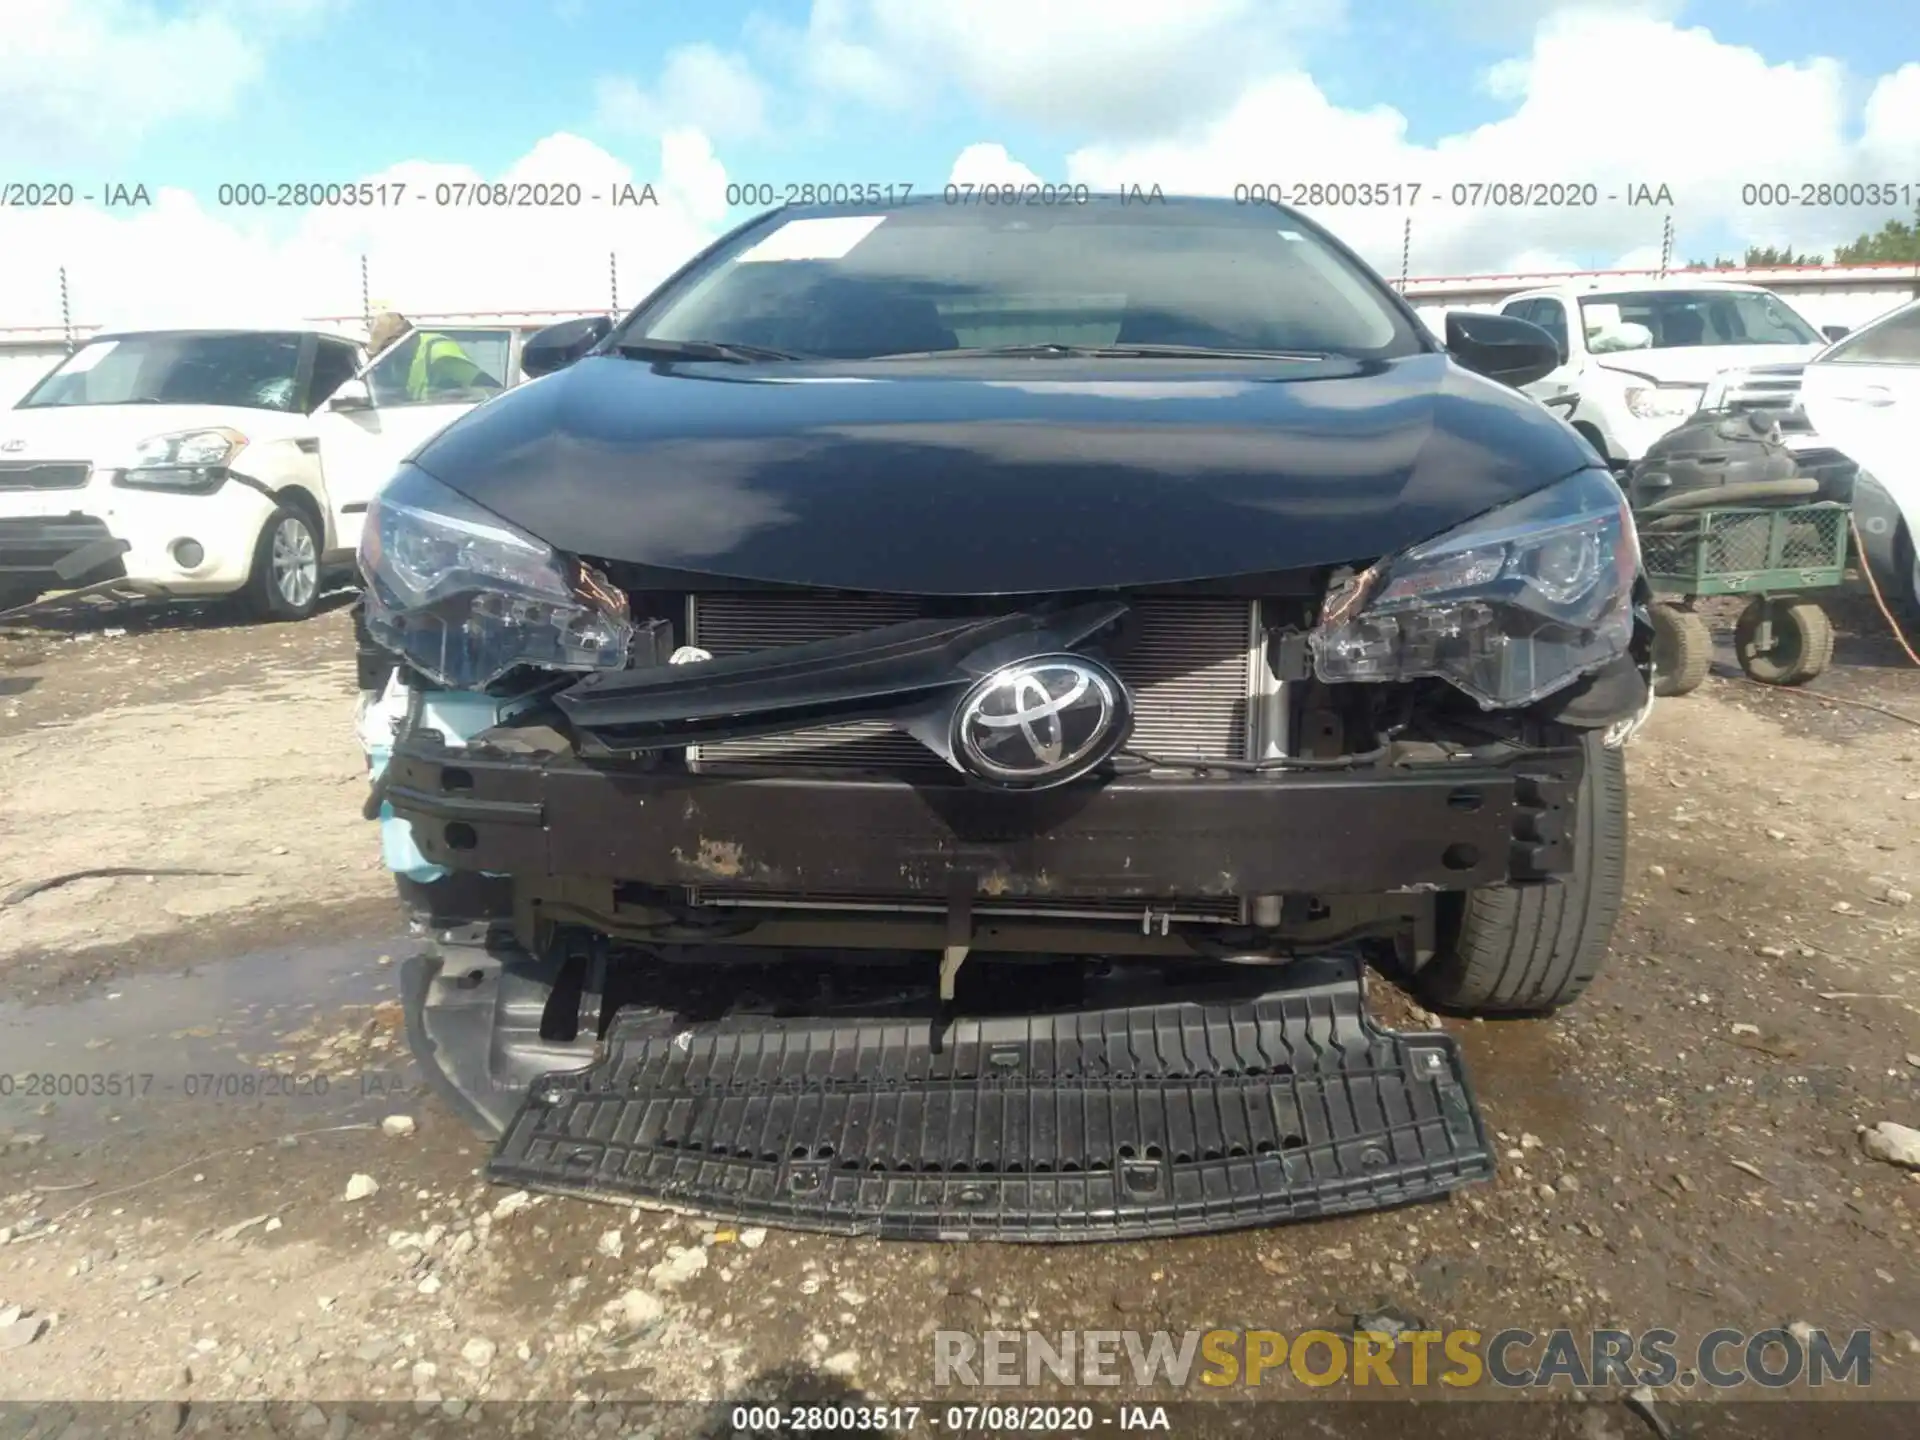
[(44, 474), (706, 982), (1185, 909)]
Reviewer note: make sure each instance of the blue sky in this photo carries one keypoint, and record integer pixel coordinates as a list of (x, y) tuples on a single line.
[(364, 85), (1701, 95)]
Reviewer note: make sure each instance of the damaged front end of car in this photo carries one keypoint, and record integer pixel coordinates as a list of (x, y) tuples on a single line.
[(884, 913)]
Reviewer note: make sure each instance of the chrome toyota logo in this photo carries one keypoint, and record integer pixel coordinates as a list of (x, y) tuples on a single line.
[(12, 445), (1041, 722)]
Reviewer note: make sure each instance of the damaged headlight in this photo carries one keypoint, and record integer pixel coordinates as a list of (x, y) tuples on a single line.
[(1508, 608), (466, 597), (193, 462)]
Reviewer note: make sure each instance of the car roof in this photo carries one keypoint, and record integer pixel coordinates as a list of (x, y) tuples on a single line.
[(1864, 326), (1146, 201), (1590, 289)]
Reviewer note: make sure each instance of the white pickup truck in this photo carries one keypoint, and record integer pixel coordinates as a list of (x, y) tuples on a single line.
[(1635, 360), (192, 463)]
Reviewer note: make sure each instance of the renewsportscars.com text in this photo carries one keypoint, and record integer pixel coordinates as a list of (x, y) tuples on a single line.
[(1458, 1359)]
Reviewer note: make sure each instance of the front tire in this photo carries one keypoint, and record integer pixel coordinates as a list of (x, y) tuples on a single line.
[(1906, 556), (1529, 949), (285, 582)]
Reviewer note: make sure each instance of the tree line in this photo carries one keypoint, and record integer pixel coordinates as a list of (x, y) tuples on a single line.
[(1896, 242)]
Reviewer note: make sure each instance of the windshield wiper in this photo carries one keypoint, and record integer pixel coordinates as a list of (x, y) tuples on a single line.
[(1104, 352), (1204, 352), (700, 350)]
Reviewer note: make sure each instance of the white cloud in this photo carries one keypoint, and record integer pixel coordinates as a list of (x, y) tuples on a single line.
[(1122, 67), (833, 56), (181, 261), (989, 165), (1891, 127), (699, 85), (82, 79), (1695, 114)]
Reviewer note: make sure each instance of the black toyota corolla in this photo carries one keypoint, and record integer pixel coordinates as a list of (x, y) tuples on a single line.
[(920, 727)]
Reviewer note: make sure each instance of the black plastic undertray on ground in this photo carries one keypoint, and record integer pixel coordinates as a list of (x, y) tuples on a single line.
[(1170, 1118)]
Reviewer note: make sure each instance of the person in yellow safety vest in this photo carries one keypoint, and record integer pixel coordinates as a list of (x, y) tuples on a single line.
[(439, 364)]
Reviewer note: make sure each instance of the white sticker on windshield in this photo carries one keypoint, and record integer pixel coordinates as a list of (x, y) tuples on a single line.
[(1291, 235), (88, 356), (827, 238)]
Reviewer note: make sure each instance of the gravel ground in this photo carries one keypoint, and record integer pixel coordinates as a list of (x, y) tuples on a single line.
[(1683, 1148)]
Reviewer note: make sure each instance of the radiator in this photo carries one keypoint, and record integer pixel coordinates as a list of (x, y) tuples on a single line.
[(1194, 663), (1190, 672)]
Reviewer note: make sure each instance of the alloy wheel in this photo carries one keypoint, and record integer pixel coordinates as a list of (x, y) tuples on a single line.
[(296, 562)]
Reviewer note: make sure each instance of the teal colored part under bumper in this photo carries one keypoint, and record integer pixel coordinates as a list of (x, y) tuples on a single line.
[(397, 848)]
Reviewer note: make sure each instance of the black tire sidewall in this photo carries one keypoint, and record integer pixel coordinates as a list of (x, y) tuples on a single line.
[(1905, 594), (1534, 948)]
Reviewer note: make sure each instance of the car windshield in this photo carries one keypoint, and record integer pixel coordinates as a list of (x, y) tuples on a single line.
[(1678, 319), (922, 280), (1894, 340), (254, 370)]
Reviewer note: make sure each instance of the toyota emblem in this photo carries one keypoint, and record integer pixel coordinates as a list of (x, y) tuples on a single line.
[(10, 446), (1041, 722)]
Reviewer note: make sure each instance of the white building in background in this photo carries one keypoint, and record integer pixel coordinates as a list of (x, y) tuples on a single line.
[(1847, 295)]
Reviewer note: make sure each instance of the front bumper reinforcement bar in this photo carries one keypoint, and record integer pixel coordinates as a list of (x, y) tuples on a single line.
[(1437, 826)]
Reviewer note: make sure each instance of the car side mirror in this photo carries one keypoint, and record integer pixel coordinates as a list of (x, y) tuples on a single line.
[(1501, 347), (352, 395), (559, 345), (1836, 332)]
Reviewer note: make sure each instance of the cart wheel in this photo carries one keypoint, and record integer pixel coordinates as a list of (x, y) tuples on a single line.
[(1796, 646), (1682, 650)]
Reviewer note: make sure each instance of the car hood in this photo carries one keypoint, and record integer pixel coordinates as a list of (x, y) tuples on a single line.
[(1697, 364), (998, 477), (105, 434), (1882, 438)]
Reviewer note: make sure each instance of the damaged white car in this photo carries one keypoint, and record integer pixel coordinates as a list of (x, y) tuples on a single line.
[(199, 463)]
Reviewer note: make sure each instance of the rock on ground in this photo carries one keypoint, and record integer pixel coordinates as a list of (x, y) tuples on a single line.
[(1896, 1144)]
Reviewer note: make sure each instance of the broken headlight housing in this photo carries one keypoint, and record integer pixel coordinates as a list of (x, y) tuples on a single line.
[(1507, 608), (190, 462), (466, 597)]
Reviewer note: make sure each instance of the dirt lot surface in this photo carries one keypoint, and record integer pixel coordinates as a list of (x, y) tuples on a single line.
[(208, 754), (1681, 1149)]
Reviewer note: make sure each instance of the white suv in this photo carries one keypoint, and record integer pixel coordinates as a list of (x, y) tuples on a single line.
[(1635, 360), (213, 462)]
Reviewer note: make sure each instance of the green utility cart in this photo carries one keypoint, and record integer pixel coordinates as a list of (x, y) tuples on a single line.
[(1776, 555)]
